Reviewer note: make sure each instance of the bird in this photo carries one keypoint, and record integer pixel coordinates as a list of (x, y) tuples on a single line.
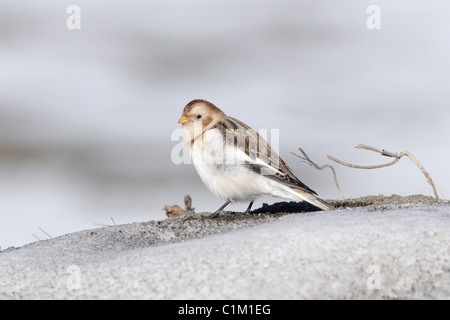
[(235, 163)]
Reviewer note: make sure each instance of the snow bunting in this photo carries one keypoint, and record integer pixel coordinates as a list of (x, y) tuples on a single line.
[(235, 162)]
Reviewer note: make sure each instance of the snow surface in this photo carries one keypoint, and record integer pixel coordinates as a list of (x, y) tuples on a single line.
[(383, 252)]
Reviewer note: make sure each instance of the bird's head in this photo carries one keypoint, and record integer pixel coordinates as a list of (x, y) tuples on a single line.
[(200, 112)]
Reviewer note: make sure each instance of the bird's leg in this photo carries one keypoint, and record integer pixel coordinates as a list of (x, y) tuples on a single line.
[(249, 207), (215, 214)]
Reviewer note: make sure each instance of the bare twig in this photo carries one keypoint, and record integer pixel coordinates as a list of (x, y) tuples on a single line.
[(425, 173), (45, 232), (397, 155), (102, 225), (106, 225), (312, 163), (382, 151), (363, 167)]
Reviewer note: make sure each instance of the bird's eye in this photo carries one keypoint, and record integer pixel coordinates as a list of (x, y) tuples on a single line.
[(199, 116)]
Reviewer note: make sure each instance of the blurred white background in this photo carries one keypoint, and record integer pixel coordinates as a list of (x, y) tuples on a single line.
[(86, 115)]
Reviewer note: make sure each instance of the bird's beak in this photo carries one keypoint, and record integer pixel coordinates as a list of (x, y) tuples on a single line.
[(183, 120)]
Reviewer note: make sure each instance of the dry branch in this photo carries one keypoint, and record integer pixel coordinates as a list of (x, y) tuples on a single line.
[(45, 232), (397, 155), (312, 163), (106, 225)]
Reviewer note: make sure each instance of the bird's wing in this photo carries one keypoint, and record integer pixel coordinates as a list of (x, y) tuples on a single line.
[(256, 153)]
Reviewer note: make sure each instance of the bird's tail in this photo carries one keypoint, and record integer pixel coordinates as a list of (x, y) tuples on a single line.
[(314, 200)]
